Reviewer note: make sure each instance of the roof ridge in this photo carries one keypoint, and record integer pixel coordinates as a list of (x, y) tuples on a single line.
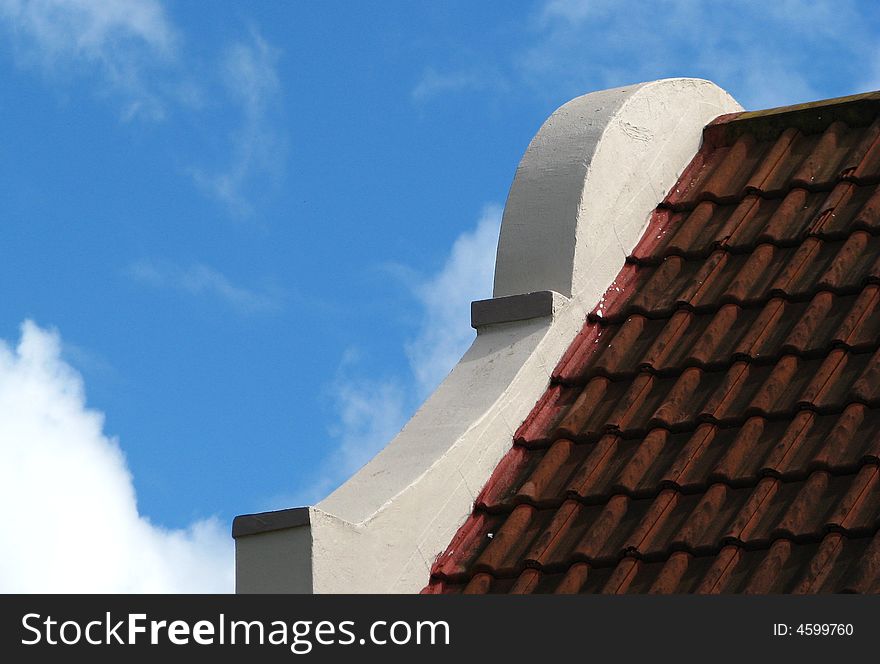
[(808, 117)]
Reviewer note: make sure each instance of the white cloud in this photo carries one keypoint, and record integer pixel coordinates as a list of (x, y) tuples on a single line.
[(445, 331), (435, 83), (131, 50), (369, 414), (765, 54), (69, 509), (120, 39), (574, 11), (249, 73), (199, 279), (90, 28), (371, 410)]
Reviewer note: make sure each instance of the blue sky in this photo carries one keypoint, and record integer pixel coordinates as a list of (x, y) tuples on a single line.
[(239, 241)]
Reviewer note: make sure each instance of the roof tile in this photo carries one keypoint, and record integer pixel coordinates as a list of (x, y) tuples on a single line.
[(715, 425), (837, 563)]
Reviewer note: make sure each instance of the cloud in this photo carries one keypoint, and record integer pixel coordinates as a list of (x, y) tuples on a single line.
[(434, 83), (69, 509), (445, 330), (121, 40), (130, 49), (371, 410), (765, 54), (574, 12), (249, 74), (199, 279)]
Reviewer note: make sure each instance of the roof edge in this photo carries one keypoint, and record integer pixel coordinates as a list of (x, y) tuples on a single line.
[(872, 98), (810, 117)]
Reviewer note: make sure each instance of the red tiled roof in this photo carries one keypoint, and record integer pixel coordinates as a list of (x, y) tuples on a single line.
[(715, 426)]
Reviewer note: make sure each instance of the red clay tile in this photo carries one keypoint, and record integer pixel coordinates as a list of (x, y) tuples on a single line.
[(573, 580), (865, 165), (715, 428), (836, 563)]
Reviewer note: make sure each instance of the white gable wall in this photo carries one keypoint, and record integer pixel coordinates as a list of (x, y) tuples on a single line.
[(580, 201)]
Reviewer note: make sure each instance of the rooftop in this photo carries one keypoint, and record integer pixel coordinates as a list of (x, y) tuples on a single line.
[(715, 425)]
